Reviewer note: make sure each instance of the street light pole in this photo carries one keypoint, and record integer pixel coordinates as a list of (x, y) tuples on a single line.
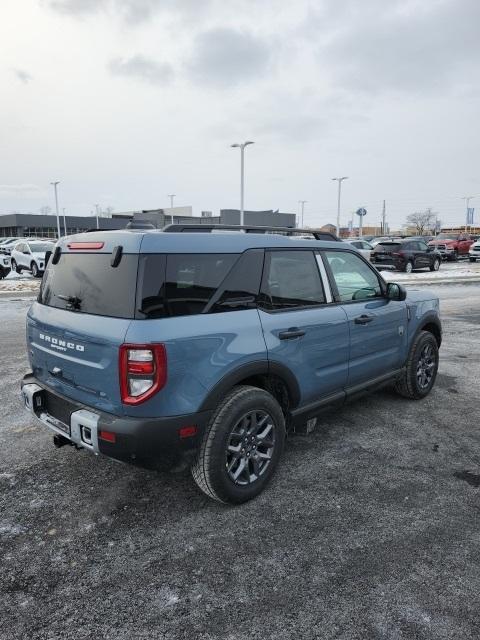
[(56, 206), (171, 196), (340, 180), (242, 146), (302, 202), (64, 221), (96, 209), (467, 202)]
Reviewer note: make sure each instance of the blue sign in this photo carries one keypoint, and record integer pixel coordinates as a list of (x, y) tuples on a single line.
[(361, 212), (470, 214)]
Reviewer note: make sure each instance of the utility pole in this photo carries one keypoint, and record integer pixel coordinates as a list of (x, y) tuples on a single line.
[(340, 180), (242, 146), (54, 184), (384, 226), (302, 202)]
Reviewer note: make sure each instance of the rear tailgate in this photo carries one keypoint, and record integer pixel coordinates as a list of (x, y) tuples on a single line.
[(383, 252), (84, 309), (76, 354)]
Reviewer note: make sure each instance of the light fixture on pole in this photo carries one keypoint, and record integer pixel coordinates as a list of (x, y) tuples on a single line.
[(54, 184), (340, 180), (302, 202), (242, 146), (171, 196)]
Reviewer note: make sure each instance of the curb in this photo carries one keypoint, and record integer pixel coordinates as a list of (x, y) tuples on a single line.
[(473, 280)]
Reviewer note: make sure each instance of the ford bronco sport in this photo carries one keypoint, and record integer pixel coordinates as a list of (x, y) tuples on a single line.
[(162, 348)]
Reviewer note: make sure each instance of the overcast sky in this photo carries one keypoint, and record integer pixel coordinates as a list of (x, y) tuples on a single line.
[(126, 101)]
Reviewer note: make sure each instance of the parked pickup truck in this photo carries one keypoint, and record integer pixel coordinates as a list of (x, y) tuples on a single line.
[(452, 245)]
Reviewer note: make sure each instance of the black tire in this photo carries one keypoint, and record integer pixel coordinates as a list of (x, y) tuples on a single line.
[(455, 256), (436, 265), (212, 470), (35, 270), (473, 259), (15, 267), (411, 384), (408, 268)]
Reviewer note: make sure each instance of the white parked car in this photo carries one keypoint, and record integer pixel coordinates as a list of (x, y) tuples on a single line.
[(29, 255), (362, 246), (474, 251), (7, 244)]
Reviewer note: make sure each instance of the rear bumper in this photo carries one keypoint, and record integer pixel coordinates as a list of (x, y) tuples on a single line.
[(153, 443)]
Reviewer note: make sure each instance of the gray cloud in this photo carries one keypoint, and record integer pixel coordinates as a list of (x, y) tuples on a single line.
[(132, 11), (142, 68), (224, 57), (78, 7), (429, 46), (23, 75)]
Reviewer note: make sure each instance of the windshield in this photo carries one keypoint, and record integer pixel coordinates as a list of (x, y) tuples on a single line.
[(40, 247), (447, 236)]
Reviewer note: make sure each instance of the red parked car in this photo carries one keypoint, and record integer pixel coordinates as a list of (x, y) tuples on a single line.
[(452, 245)]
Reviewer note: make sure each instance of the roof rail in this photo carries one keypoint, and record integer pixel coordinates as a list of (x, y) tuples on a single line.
[(288, 231)]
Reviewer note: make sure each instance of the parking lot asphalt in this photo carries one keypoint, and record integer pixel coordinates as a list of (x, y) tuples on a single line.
[(370, 529)]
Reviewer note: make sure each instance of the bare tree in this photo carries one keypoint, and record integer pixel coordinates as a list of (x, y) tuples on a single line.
[(45, 210), (422, 221)]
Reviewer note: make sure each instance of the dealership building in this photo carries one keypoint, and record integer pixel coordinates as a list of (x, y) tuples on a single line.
[(45, 226)]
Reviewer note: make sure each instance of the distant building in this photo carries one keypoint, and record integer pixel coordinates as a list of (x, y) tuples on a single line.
[(45, 226)]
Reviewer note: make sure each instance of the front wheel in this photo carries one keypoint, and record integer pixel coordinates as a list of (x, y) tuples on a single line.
[(421, 369), (408, 267), (436, 265), (455, 256), (241, 446), (35, 271), (473, 259), (15, 267)]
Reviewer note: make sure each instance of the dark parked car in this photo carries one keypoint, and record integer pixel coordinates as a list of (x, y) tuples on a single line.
[(406, 255)]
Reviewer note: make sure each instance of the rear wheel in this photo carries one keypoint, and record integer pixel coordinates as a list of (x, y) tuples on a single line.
[(455, 256), (473, 259), (35, 271), (408, 267), (421, 368), (241, 447), (436, 265), (15, 267)]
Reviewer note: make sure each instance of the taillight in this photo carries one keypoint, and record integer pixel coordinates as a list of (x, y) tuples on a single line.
[(143, 371), (398, 253)]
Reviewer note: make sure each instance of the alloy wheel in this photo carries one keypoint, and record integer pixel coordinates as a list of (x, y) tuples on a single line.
[(250, 447), (409, 267), (426, 366)]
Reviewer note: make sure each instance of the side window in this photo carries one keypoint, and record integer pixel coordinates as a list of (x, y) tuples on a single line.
[(422, 246), (180, 284), (291, 279), (240, 288), (354, 279), (192, 279)]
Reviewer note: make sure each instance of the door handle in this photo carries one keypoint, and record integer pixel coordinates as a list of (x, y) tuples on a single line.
[(364, 319), (293, 332)]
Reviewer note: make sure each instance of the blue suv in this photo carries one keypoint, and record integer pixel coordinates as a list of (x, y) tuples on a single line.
[(162, 348)]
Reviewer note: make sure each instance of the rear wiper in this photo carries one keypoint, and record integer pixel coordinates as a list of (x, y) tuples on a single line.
[(72, 301)]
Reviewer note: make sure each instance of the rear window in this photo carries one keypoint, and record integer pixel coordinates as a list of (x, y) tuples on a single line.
[(87, 283), (383, 247)]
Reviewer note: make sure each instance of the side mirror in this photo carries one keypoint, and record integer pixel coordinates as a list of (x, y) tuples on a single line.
[(396, 291)]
